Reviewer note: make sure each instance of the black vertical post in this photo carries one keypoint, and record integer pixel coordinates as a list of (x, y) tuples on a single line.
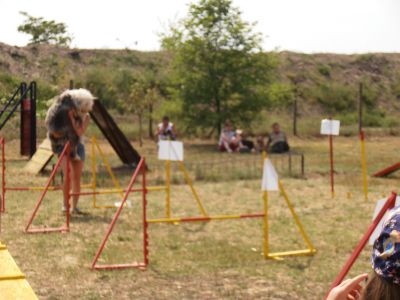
[(360, 106), (295, 116), (71, 84), (33, 97), (21, 129)]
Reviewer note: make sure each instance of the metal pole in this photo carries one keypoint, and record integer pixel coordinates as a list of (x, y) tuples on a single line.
[(22, 117), (295, 116), (71, 84), (364, 165), (168, 188), (33, 97), (332, 168), (145, 224)]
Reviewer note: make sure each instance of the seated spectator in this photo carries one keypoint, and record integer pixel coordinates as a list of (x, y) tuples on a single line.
[(166, 130), (277, 141), (245, 145), (228, 141)]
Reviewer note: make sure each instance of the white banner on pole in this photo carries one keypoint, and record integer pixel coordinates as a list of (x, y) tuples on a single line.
[(330, 127), (379, 204), (270, 177), (170, 150)]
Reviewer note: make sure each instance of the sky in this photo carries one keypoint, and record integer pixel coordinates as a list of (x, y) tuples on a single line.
[(309, 26)]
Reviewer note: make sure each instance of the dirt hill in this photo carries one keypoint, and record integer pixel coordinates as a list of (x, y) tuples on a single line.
[(326, 82)]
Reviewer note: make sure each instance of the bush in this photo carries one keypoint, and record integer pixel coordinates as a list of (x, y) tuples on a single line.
[(324, 70), (334, 97)]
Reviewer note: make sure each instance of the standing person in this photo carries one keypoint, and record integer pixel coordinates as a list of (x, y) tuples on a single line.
[(277, 140), (384, 281), (166, 130), (66, 121)]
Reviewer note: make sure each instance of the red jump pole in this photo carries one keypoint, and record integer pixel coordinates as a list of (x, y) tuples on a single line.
[(145, 224), (390, 203), (3, 176), (65, 152), (114, 220), (332, 167)]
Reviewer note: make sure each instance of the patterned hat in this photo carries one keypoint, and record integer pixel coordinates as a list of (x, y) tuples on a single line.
[(386, 250)]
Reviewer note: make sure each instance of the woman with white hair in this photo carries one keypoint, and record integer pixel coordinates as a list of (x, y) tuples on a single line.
[(67, 120)]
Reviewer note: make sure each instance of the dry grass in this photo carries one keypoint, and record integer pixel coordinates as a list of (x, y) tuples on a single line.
[(209, 261)]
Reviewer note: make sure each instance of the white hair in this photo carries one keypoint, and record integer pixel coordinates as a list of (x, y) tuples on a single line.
[(82, 98)]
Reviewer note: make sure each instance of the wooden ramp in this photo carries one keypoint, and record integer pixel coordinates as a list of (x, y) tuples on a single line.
[(114, 135), (13, 285), (40, 159)]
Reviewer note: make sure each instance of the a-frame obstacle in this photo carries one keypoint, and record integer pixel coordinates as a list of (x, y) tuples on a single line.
[(389, 204), (65, 154), (264, 215), (141, 168)]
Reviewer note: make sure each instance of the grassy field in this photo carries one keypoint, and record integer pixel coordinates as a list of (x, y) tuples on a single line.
[(215, 260)]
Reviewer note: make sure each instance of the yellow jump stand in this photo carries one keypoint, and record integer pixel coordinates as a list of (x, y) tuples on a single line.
[(309, 251), (13, 285), (117, 189)]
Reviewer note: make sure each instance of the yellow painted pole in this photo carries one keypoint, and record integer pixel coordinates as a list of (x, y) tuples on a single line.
[(168, 189), (94, 179), (296, 218), (194, 192), (266, 227), (265, 223), (109, 170), (364, 165)]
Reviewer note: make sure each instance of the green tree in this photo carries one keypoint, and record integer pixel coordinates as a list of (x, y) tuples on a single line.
[(136, 103), (44, 32), (219, 69)]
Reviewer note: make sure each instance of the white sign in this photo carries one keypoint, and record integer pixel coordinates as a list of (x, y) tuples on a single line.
[(330, 127), (270, 177), (170, 150), (378, 228)]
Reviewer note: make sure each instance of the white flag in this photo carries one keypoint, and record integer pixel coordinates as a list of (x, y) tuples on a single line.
[(270, 177)]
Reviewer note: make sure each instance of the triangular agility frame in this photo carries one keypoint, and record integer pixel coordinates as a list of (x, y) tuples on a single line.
[(389, 204), (141, 167), (276, 255), (65, 228)]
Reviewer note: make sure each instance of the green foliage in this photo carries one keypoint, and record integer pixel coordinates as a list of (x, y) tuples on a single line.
[(44, 32), (335, 97), (324, 70), (98, 81), (219, 70), (280, 94)]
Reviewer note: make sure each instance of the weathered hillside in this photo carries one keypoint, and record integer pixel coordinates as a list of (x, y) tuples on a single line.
[(325, 83)]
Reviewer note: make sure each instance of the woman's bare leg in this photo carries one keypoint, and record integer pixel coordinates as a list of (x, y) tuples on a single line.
[(76, 168)]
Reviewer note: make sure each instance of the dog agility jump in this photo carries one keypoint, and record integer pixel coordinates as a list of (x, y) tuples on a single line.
[(270, 184)]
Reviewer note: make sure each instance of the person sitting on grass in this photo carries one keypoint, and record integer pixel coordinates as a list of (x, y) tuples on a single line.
[(166, 130), (277, 141), (228, 141), (384, 281), (245, 145)]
